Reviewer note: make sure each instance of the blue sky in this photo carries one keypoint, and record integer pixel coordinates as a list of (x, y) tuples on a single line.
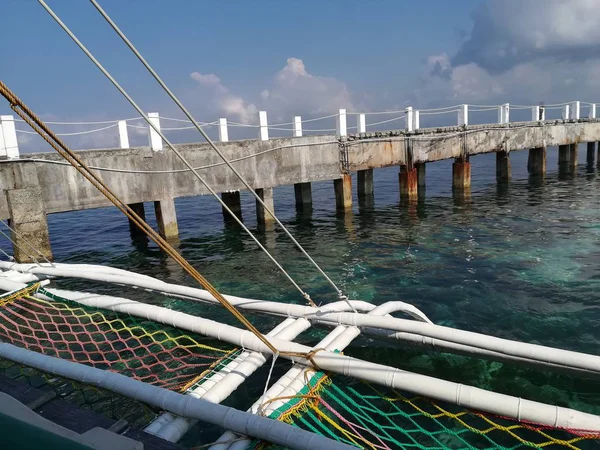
[(231, 58)]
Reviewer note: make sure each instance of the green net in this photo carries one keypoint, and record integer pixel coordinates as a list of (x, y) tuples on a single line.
[(371, 417)]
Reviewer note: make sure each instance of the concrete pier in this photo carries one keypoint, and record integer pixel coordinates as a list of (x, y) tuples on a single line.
[(166, 218), (564, 153), (266, 164), (262, 216), (536, 162), (137, 208), (503, 169), (303, 194), (365, 183), (233, 201), (343, 192), (409, 186), (591, 152), (461, 174)]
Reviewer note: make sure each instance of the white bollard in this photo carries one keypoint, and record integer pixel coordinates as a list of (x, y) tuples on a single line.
[(463, 115), (416, 121), (297, 126), (575, 110), (504, 113), (154, 139), (361, 123), (565, 112), (9, 136), (592, 112), (342, 127), (2, 147), (263, 133), (123, 136), (223, 133), (408, 118)]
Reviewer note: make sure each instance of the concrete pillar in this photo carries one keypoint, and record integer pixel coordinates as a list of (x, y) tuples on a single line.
[(408, 183), (342, 126), (503, 169), (138, 208), (123, 135), (592, 111), (591, 152), (504, 113), (563, 153), (223, 131), (566, 112), (9, 136), (365, 183), (233, 201), (575, 110), (573, 155), (297, 126), (461, 174), (28, 220), (536, 163), (262, 216), (155, 141), (420, 175), (166, 218), (416, 120), (343, 193), (303, 194), (263, 133)]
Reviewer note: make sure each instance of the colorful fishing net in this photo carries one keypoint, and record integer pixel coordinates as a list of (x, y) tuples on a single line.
[(147, 351), (372, 417)]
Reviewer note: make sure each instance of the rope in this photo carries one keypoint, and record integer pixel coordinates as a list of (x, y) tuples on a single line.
[(54, 141), (208, 140), (112, 169), (77, 133), (33, 258), (178, 154), (19, 235)]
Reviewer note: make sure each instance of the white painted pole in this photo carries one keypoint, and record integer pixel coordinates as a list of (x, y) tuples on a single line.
[(463, 115), (565, 112), (9, 133), (2, 146), (592, 113), (155, 141), (342, 127), (264, 127), (123, 136), (575, 110), (416, 120), (535, 113), (361, 123), (297, 126), (223, 133), (542, 113), (408, 118)]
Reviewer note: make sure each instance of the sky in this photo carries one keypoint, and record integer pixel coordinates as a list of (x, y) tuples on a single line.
[(233, 58)]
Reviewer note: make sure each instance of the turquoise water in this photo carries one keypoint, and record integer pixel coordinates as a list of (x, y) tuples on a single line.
[(517, 260)]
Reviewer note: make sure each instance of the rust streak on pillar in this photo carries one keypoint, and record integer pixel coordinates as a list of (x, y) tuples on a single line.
[(408, 183), (365, 183), (233, 201), (343, 193), (536, 163), (503, 169), (461, 174)]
